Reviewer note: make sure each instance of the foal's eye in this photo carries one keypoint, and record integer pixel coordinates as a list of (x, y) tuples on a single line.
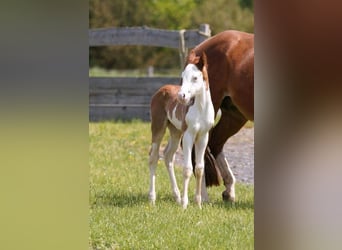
[(194, 79)]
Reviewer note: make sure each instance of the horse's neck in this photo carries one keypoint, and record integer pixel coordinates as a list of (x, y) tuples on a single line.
[(203, 100)]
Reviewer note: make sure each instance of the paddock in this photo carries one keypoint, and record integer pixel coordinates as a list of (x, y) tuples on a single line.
[(121, 215)]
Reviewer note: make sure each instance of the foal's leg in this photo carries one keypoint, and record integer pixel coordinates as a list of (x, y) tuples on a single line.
[(158, 128), (153, 162), (200, 146), (188, 141), (169, 157), (204, 192)]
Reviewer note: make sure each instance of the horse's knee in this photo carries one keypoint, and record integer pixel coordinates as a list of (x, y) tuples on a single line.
[(225, 170), (168, 158), (154, 154), (199, 170), (187, 172)]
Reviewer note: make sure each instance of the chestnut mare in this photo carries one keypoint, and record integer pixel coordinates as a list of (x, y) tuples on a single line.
[(230, 58), (185, 110)]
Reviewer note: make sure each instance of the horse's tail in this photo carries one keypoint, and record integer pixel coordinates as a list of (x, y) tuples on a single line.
[(211, 171)]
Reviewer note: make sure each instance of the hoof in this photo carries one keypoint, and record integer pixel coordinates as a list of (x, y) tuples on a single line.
[(227, 197), (184, 203), (178, 200), (152, 198)]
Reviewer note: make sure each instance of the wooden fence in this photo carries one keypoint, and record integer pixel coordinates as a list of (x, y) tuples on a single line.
[(125, 98)]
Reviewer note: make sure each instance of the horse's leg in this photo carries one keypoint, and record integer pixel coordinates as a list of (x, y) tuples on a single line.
[(188, 141), (153, 161), (169, 157), (227, 176), (230, 123), (158, 127), (204, 192), (208, 171), (200, 146)]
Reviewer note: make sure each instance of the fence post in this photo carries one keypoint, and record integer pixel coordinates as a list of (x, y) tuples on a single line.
[(204, 33), (183, 50), (150, 71), (204, 30)]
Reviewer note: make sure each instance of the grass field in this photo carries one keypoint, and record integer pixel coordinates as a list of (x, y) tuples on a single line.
[(121, 216)]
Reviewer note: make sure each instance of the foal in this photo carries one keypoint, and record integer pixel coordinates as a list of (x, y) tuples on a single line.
[(186, 111)]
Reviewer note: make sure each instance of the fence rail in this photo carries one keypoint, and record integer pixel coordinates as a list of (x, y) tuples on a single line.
[(123, 97), (148, 37), (112, 98)]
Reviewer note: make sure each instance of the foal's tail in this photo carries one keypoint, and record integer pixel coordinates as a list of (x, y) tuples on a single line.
[(212, 173)]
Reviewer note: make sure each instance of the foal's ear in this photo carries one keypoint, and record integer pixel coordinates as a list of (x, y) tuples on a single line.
[(199, 61), (193, 58), (202, 62)]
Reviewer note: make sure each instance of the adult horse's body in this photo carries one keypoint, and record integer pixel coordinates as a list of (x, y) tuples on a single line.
[(186, 111), (230, 57)]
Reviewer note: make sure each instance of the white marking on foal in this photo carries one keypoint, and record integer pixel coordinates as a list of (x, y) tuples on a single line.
[(173, 118), (154, 157)]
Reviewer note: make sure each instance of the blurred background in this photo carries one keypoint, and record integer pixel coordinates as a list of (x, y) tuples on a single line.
[(171, 15)]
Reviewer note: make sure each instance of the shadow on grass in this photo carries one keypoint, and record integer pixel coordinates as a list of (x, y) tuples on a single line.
[(127, 199), (119, 199), (240, 205), (138, 199)]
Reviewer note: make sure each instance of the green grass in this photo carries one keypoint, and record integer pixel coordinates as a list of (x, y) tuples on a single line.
[(249, 124), (121, 216)]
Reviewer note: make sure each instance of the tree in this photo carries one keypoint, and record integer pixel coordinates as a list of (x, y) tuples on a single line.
[(223, 15), (171, 14)]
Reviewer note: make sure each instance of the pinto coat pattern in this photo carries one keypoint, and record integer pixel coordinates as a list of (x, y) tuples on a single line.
[(187, 111)]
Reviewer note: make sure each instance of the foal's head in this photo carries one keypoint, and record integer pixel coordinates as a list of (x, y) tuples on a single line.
[(194, 78)]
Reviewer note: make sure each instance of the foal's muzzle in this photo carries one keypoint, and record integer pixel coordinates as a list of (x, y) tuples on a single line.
[(183, 98)]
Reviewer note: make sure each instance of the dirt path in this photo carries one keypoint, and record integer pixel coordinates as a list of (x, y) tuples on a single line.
[(239, 151)]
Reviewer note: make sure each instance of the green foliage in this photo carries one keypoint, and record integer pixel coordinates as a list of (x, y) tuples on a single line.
[(246, 4), (223, 15), (172, 14), (121, 216)]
